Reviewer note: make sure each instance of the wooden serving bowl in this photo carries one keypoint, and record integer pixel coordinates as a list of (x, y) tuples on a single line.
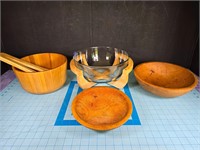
[(45, 81), (165, 79), (101, 108)]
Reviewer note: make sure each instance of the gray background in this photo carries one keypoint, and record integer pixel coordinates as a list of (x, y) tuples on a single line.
[(148, 31)]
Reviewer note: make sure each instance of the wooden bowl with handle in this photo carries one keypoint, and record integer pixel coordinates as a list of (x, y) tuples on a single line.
[(165, 79), (43, 81)]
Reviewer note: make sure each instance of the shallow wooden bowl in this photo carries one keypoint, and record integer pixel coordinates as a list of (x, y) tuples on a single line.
[(45, 81), (101, 108), (165, 79)]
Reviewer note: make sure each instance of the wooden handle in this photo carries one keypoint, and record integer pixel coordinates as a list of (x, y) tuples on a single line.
[(20, 64), (17, 65)]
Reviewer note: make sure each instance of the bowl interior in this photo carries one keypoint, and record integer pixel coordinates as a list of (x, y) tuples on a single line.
[(165, 75), (47, 60), (101, 108), (101, 56)]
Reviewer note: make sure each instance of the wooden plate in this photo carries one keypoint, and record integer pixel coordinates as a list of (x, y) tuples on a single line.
[(101, 108)]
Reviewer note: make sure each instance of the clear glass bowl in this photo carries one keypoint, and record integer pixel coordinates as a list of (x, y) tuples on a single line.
[(101, 64)]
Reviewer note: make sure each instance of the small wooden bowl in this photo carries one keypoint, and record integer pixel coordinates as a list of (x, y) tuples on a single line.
[(165, 79), (101, 108), (45, 81)]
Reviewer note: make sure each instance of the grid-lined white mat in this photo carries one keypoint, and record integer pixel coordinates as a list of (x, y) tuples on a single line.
[(28, 122)]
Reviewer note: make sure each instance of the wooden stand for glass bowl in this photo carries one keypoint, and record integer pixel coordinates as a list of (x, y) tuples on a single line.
[(118, 83)]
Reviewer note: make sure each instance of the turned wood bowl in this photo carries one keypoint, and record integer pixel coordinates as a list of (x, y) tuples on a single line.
[(101, 108), (165, 79), (43, 81)]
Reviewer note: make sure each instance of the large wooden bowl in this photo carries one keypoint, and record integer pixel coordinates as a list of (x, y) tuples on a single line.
[(101, 108), (165, 79), (45, 81)]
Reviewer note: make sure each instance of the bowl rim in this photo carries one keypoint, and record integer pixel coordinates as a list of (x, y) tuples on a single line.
[(83, 50), (15, 69), (193, 85)]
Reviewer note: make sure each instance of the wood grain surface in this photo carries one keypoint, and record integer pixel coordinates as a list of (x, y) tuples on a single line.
[(20, 63), (165, 79), (45, 81), (101, 108)]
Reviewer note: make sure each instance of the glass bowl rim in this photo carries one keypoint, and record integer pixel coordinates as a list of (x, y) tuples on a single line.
[(83, 50)]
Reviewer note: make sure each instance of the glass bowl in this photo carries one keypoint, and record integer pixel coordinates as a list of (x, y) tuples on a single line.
[(101, 64)]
